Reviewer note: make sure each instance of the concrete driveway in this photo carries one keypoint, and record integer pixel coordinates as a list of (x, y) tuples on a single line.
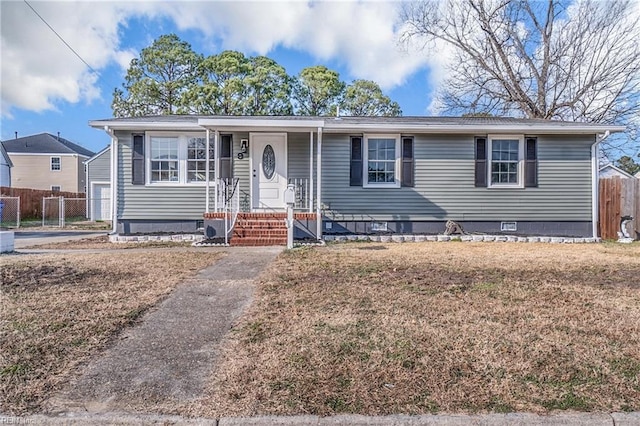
[(32, 238)]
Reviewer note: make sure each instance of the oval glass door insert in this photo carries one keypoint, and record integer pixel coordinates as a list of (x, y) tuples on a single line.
[(268, 162)]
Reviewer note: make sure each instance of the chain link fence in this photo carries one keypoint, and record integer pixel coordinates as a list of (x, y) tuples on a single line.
[(58, 211), (53, 211), (75, 210), (9, 212)]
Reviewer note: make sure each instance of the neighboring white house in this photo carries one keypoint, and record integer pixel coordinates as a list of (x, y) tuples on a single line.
[(610, 171), (5, 167), (98, 169)]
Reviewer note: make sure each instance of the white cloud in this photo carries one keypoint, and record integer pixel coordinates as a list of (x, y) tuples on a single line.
[(38, 71)]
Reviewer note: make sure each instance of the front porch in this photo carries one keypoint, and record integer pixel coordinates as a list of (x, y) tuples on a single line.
[(253, 164)]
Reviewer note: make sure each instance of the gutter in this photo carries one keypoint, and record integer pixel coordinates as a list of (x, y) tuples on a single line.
[(595, 183), (113, 179)]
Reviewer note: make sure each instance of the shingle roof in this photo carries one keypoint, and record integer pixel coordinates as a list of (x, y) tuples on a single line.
[(44, 143), (453, 122)]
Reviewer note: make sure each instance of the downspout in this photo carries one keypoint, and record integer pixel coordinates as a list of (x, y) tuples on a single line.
[(88, 194), (595, 204), (206, 175), (113, 179), (319, 186), (216, 169), (310, 172)]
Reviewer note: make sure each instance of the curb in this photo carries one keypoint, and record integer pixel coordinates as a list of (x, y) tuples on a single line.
[(510, 419)]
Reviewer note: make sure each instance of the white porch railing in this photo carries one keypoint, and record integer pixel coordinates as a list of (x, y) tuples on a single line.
[(302, 193), (227, 200)]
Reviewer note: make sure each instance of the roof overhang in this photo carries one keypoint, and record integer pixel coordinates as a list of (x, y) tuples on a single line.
[(260, 125), (266, 124), (471, 129), (143, 125)]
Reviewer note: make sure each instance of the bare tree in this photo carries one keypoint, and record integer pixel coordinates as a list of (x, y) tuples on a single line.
[(551, 59)]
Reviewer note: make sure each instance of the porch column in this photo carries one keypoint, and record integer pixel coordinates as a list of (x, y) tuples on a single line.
[(216, 170), (310, 195), (319, 187), (206, 175)]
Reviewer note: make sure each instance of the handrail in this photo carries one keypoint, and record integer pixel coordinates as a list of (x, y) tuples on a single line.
[(302, 193), (229, 203)]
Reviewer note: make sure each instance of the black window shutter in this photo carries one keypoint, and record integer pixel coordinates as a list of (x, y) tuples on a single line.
[(407, 162), (226, 171), (481, 161), (137, 160), (355, 175), (531, 163)]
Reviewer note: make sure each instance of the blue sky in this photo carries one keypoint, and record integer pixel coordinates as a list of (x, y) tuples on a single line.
[(46, 88)]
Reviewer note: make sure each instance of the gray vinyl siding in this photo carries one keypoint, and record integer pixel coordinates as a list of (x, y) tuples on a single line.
[(241, 168), (298, 157), (98, 170), (444, 184)]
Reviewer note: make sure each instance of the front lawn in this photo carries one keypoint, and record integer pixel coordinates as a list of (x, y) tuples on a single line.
[(437, 327), (57, 310)]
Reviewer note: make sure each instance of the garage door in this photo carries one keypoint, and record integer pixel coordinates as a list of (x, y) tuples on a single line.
[(101, 202)]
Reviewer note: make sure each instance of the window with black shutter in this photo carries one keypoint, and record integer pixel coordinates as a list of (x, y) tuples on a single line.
[(531, 163), (226, 150), (481, 161), (137, 161), (407, 162), (355, 174)]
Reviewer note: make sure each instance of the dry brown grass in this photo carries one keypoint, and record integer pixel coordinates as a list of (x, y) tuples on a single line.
[(437, 327), (60, 309)]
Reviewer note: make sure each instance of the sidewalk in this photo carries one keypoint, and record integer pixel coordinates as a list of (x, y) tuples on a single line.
[(511, 419)]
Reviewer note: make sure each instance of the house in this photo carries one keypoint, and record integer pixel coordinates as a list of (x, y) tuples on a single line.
[(610, 171), (354, 175), (98, 170), (47, 162), (5, 168)]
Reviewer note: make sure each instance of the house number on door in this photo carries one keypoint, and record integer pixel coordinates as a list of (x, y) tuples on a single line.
[(268, 162)]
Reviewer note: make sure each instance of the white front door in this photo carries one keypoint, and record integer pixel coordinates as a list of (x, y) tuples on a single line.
[(269, 170)]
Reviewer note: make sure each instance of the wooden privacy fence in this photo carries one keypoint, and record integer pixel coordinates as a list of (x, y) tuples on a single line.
[(619, 197), (31, 199)]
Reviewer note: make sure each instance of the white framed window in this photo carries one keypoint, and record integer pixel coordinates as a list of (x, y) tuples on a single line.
[(55, 188), (178, 159), (164, 159), (506, 161), (197, 159), (381, 161), (56, 164)]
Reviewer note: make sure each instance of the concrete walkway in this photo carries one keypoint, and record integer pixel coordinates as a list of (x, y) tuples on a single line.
[(169, 357)]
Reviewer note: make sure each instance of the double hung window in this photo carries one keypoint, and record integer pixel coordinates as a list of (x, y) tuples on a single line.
[(506, 161), (197, 160), (164, 159), (56, 164), (382, 161)]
